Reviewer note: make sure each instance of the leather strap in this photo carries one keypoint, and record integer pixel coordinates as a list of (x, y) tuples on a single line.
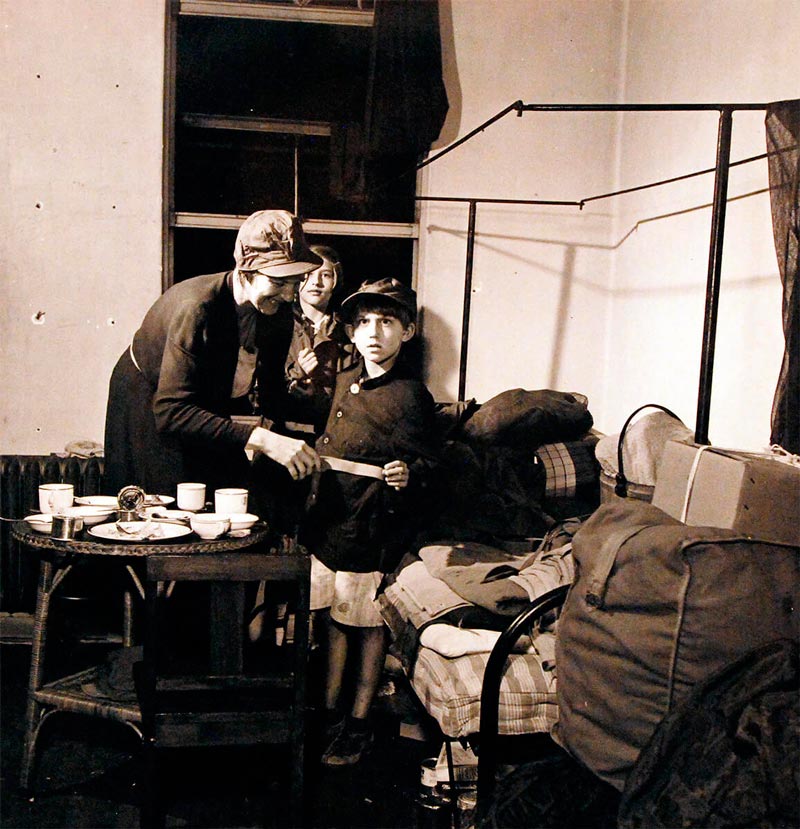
[(366, 470)]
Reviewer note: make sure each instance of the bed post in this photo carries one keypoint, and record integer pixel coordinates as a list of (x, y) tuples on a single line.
[(462, 369), (714, 270)]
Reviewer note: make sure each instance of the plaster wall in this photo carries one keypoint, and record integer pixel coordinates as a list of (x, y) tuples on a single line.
[(562, 298), (698, 51), (608, 300), (541, 274), (80, 199)]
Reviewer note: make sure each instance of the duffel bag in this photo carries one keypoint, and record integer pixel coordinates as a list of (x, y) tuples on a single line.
[(655, 608)]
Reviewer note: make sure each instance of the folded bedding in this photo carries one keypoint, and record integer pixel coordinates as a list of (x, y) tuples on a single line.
[(498, 581), (469, 585), (450, 690)]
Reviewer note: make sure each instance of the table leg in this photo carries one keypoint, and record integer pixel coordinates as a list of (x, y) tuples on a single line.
[(227, 621), (34, 709)]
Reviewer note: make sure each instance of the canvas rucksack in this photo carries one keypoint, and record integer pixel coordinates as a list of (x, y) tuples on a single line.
[(657, 607)]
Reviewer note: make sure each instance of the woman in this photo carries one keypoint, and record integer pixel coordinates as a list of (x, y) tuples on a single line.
[(203, 379)]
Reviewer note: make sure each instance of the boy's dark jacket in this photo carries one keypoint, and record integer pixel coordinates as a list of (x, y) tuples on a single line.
[(357, 523)]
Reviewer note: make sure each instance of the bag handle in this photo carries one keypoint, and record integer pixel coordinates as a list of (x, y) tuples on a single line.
[(621, 488)]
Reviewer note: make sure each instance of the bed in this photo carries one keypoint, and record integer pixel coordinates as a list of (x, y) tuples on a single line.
[(519, 472)]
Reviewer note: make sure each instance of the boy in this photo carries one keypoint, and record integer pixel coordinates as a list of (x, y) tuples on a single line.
[(363, 519)]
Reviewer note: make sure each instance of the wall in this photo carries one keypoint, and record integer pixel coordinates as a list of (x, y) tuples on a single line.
[(559, 299), (565, 298), (541, 273), (689, 51), (80, 197)]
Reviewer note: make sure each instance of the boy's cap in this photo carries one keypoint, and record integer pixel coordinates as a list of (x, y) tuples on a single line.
[(272, 242), (386, 289)]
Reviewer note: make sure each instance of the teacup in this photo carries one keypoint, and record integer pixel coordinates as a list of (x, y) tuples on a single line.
[(230, 500), (55, 498), (210, 524), (191, 497)]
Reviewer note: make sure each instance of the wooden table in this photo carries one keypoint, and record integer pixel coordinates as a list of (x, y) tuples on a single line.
[(57, 559)]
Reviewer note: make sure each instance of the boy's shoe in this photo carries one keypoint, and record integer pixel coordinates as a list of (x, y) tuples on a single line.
[(347, 748), (333, 727)]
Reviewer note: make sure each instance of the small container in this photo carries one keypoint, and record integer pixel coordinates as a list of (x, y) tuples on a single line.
[(129, 515), (432, 810), (66, 526), (466, 806)]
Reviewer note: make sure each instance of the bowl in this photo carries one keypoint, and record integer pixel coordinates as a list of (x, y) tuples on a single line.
[(90, 515), (242, 520), (98, 501), (40, 522), (210, 524)]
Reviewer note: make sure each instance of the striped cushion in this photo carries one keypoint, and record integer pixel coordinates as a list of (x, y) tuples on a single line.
[(568, 466), (450, 690)]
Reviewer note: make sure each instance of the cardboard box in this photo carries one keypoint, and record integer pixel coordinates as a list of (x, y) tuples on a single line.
[(752, 494)]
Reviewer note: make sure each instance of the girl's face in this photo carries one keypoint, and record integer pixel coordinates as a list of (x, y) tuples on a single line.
[(379, 337), (318, 286)]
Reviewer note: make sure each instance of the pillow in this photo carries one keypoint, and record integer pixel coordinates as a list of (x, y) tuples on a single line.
[(527, 419)]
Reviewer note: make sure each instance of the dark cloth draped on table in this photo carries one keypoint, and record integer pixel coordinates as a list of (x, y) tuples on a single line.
[(783, 140), (406, 101)]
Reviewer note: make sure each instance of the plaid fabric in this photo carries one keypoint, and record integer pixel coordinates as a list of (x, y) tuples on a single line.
[(568, 466), (450, 690)]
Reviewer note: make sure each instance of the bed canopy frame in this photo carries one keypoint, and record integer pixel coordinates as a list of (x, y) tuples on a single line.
[(720, 170)]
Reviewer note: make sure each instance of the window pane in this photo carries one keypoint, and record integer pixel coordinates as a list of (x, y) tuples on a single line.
[(232, 171)]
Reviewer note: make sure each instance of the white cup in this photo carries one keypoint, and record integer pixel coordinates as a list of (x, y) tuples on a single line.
[(230, 500), (210, 524), (56, 497), (191, 497)]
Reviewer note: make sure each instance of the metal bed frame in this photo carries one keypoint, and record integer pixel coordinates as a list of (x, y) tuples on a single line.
[(720, 170)]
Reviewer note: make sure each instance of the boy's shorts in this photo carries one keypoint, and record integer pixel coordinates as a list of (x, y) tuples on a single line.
[(350, 596)]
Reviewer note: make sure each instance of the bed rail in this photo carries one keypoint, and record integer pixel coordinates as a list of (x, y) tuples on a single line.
[(490, 692)]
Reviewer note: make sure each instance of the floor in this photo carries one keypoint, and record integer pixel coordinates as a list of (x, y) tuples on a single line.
[(86, 774)]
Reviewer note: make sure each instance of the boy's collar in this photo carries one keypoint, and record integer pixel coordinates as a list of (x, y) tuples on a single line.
[(398, 371)]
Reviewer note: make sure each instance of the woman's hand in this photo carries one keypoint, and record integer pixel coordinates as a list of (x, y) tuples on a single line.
[(395, 474), (307, 360), (296, 455)]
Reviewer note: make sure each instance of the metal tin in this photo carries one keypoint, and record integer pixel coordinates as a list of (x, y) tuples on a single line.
[(66, 526), (131, 497)]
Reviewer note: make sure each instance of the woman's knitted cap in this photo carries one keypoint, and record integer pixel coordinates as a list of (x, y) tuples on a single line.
[(272, 242)]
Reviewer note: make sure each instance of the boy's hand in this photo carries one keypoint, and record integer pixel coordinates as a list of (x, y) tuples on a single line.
[(308, 360), (395, 474)]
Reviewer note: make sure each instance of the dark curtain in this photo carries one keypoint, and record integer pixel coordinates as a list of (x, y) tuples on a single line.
[(406, 102), (783, 138)]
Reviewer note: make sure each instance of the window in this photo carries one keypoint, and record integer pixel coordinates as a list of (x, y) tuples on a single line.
[(260, 93)]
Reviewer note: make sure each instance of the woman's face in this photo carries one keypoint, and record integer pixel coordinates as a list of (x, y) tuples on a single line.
[(268, 294), (318, 286)]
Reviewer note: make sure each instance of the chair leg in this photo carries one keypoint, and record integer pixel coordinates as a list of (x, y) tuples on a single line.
[(152, 814), (297, 749)]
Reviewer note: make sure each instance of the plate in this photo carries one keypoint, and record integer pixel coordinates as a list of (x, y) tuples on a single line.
[(170, 514), (110, 532), (158, 500), (40, 522), (242, 520), (98, 501), (91, 514)]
